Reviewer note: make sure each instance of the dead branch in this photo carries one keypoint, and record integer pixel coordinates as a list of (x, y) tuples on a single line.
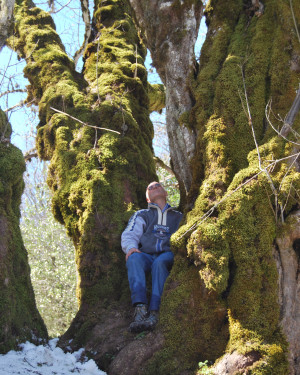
[(290, 117), (20, 104), (294, 19), (265, 170), (136, 56), (88, 29), (57, 11), (84, 123), (30, 154), (283, 132), (12, 92)]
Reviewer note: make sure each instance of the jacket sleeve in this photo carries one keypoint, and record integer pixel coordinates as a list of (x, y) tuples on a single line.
[(131, 236)]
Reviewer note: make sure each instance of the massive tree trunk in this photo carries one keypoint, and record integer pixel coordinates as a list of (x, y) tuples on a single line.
[(19, 317), (221, 301), (95, 130), (251, 55)]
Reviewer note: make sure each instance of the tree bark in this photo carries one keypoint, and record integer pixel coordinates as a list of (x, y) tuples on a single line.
[(97, 176), (221, 300), (6, 20), (231, 231), (171, 30), (19, 317), (287, 252)]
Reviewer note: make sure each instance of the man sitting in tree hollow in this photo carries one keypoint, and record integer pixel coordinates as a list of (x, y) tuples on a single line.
[(146, 243)]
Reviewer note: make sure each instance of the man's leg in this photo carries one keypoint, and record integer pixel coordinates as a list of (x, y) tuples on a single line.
[(138, 264), (161, 267)]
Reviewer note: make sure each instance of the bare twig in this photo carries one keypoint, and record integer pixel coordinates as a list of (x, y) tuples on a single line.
[(62, 7), (26, 360), (248, 114), (136, 54), (290, 167), (97, 78), (297, 193), (12, 92), (7, 66), (289, 193), (294, 19), (269, 200), (84, 123), (96, 138), (25, 58), (280, 133), (20, 104)]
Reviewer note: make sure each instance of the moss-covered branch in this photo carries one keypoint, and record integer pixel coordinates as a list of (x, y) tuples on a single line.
[(157, 97)]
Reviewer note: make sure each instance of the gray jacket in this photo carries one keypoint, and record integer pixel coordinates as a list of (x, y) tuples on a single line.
[(150, 230)]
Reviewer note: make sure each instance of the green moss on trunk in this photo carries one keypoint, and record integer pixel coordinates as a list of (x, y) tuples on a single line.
[(191, 319), (227, 287), (97, 177), (232, 247), (19, 317)]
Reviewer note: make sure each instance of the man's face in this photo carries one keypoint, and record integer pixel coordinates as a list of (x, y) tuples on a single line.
[(155, 191)]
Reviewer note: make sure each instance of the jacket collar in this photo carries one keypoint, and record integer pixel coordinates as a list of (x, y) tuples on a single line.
[(154, 205)]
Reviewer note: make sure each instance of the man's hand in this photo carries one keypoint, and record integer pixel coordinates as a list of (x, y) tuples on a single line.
[(131, 251)]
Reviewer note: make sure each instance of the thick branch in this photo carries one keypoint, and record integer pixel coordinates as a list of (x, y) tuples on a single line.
[(30, 154), (161, 164), (157, 97)]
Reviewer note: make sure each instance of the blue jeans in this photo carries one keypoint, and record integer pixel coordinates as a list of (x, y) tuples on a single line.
[(138, 265)]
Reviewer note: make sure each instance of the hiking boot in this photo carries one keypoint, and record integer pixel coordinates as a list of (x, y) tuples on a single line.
[(140, 314), (150, 322), (147, 324)]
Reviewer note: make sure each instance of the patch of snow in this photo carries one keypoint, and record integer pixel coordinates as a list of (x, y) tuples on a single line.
[(46, 360)]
